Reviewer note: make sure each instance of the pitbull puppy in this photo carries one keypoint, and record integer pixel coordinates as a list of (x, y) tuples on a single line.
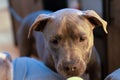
[(6, 68), (68, 41)]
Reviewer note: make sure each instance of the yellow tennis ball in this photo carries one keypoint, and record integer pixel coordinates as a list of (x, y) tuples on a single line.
[(74, 78)]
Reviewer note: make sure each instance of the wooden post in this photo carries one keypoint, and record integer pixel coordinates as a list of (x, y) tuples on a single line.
[(22, 8)]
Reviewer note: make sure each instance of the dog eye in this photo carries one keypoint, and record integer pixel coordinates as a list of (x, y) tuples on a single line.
[(82, 38), (56, 40)]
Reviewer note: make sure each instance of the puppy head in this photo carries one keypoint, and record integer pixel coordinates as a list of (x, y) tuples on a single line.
[(6, 72), (69, 38)]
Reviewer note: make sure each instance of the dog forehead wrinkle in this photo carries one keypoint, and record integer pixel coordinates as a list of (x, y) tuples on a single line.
[(67, 22), (75, 27)]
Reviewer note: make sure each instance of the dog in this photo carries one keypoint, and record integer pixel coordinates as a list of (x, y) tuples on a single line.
[(64, 41)]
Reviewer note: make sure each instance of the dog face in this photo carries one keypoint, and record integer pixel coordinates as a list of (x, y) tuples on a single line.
[(69, 43), (69, 38)]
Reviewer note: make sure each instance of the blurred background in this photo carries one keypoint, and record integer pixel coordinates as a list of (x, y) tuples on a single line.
[(13, 11), (6, 32)]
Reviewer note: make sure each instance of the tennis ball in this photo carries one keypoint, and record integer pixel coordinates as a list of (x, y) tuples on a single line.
[(74, 78)]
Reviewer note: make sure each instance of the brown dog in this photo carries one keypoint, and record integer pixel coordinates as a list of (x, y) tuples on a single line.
[(67, 46)]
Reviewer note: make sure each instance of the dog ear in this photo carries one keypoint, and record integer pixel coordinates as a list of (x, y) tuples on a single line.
[(39, 23), (95, 19)]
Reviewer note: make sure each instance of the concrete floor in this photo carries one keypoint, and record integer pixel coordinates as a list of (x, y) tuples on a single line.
[(6, 35)]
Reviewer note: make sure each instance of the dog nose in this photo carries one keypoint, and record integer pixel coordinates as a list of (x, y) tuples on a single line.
[(69, 67), (72, 68)]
